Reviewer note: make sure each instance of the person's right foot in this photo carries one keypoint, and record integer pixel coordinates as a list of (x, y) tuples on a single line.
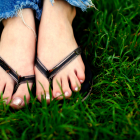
[(56, 41), (17, 49)]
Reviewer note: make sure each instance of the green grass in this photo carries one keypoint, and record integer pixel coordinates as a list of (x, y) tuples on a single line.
[(110, 39)]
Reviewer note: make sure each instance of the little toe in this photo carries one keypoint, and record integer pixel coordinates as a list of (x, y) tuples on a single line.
[(80, 75), (75, 84), (65, 87), (8, 92), (57, 93), (18, 97)]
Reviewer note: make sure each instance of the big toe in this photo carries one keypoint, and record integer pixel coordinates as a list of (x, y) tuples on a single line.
[(42, 87), (21, 96), (7, 94)]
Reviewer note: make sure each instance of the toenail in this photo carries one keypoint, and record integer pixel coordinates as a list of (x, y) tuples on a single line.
[(76, 89), (58, 94), (47, 96), (17, 101), (81, 81), (66, 93), (4, 101)]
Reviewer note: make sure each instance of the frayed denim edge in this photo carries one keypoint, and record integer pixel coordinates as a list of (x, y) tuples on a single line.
[(83, 4), (20, 6)]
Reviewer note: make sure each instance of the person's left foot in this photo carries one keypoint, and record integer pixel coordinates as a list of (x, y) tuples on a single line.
[(56, 41)]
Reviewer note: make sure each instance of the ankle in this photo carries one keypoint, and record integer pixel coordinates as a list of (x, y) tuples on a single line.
[(72, 14), (60, 9)]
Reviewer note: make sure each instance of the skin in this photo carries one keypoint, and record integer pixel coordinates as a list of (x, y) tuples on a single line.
[(54, 45), (17, 48), (55, 42)]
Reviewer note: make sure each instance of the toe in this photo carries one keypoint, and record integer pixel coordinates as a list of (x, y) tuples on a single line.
[(80, 75), (8, 92), (57, 88), (42, 90), (75, 84), (2, 85), (42, 86), (65, 87), (18, 97)]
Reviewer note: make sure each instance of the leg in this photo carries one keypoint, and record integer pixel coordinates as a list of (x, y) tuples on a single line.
[(17, 48), (56, 41)]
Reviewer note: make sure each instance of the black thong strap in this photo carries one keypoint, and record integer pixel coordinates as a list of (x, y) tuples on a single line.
[(17, 78), (49, 74)]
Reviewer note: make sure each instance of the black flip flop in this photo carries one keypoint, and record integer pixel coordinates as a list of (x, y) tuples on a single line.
[(17, 78), (49, 74)]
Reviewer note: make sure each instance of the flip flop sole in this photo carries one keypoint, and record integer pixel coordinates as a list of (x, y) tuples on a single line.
[(86, 87)]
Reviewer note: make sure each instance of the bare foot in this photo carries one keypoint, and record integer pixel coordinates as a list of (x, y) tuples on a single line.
[(17, 48), (56, 41)]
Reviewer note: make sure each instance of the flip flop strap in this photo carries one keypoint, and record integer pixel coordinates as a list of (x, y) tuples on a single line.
[(49, 74), (24, 79), (17, 78), (9, 70)]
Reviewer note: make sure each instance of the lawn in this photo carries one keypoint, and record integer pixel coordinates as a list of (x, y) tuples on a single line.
[(110, 38)]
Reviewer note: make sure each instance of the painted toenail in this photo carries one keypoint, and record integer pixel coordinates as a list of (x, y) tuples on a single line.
[(76, 89), (81, 81), (58, 94), (47, 96), (17, 101), (66, 93), (4, 101)]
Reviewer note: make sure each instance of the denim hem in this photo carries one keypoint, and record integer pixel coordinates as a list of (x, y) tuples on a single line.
[(83, 4), (36, 5), (19, 6)]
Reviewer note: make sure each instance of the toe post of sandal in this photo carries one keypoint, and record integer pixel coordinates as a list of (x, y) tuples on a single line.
[(18, 80)]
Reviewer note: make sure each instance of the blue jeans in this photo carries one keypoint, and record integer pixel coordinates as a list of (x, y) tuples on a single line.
[(10, 8)]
